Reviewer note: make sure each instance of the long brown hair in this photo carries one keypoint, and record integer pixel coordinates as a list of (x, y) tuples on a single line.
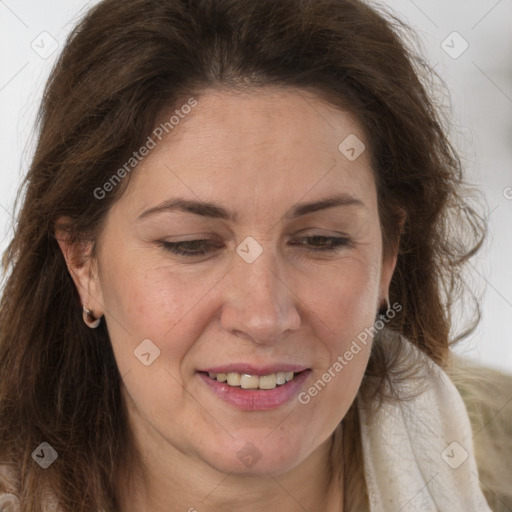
[(125, 65)]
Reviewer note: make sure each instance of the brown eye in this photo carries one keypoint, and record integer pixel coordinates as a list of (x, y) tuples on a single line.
[(324, 243), (190, 247)]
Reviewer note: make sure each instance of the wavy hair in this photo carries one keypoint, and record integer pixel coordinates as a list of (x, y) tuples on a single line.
[(123, 67)]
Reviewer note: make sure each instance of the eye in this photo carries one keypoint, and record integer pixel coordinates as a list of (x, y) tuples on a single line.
[(190, 247), (201, 247), (325, 243)]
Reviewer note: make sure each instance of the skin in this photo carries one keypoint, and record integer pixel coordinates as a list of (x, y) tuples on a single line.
[(256, 153)]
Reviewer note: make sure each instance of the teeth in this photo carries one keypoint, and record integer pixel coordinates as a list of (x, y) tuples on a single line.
[(268, 381), (249, 381), (246, 381), (234, 379)]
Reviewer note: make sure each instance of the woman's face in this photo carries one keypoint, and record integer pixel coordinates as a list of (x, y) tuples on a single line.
[(281, 282)]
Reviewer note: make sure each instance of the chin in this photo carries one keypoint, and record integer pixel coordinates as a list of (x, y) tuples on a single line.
[(258, 455)]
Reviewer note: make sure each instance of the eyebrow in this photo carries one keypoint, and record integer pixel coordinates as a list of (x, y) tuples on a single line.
[(216, 211)]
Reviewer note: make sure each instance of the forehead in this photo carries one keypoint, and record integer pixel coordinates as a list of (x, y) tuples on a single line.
[(258, 147), (266, 120)]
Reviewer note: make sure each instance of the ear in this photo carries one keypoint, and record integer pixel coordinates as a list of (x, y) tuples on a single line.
[(390, 258), (388, 268), (81, 266)]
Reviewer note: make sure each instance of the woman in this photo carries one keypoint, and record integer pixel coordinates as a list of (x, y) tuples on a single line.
[(231, 278)]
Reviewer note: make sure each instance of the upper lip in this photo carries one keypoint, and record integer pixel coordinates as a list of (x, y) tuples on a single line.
[(244, 368)]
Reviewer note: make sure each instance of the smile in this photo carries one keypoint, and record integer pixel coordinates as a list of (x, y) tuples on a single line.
[(260, 390)]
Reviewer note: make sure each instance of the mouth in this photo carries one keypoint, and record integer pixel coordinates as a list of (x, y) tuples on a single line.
[(249, 381), (251, 389)]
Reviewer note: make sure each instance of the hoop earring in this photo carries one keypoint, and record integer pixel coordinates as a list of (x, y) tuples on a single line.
[(90, 320)]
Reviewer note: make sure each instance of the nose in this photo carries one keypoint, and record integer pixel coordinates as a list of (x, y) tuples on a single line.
[(260, 305)]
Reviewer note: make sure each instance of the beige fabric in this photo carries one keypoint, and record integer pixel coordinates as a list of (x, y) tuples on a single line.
[(418, 454)]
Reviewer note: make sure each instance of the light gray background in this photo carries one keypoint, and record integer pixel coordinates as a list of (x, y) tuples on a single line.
[(479, 84)]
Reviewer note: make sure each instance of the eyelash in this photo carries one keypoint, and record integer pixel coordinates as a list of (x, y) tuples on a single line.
[(177, 247)]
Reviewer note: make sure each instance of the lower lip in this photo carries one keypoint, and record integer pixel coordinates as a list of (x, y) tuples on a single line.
[(256, 399)]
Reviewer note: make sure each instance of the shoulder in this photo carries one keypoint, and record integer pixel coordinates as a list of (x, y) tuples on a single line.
[(9, 501), (415, 434), (487, 394), (9, 493)]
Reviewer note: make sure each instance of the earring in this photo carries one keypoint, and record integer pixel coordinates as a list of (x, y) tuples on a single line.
[(384, 308), (90, 320)]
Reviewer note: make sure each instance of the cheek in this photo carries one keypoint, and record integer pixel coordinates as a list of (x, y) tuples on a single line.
[(144, 301), (346, 310), (345, 299), (146, 297), (151, 302)]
